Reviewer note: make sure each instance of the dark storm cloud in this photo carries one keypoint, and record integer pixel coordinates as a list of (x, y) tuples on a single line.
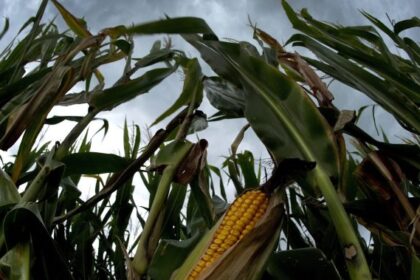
[(270, 15), (227, 19), (341, 11)]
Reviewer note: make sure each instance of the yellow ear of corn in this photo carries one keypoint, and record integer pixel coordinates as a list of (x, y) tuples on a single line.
[(239, 220)]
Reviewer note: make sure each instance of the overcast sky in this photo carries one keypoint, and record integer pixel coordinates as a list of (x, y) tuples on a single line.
[(227, 19)]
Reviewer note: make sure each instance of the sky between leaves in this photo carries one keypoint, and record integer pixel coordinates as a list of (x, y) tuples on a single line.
[(229, 19)]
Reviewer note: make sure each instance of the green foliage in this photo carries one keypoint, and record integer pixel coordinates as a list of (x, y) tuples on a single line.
[(48, 226), (301, 264), (14, 264), (192, 91), (359, 57)]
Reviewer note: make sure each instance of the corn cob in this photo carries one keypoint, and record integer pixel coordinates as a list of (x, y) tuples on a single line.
[(239, 220)]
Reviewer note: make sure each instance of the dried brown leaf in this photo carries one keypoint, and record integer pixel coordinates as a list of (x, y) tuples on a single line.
[(296, 62), (192, 163)]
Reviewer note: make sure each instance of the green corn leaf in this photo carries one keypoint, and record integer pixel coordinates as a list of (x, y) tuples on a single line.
[(216, 171), (161, 55), (10, 91), (295, 123), (192, 91), (5, 28), (75, 24), (23, 53), (198, 123), (172, 225), (16, 263), (8, 191), (170, 157), (392, 100), (93, 163), (247, 164), (301, 264), (225, 96), (136, 144), (23, 222), (180, 25), (32, 116), (348, 56), (290, 126), (415, 268), (169, 255), (123, 45), (406, 24), (201, 196), (41, 102), (126, 141), (119, 94)]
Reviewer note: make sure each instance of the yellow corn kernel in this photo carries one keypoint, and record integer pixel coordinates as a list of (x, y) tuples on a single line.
[(221, 250), (198, 269), (240, 219), (249, 226), (221, 236), (201, 263), (206, 258), (235, 232), (230, 242), (218, 241), (247, 201), (224, 246), (216, 255), (230, 222), (239, 224), (210, 252)]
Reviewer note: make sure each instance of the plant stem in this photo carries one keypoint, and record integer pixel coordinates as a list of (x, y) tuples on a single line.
[(352, 250), (141, 258), (118, 179), (34, 188), (140, 261)]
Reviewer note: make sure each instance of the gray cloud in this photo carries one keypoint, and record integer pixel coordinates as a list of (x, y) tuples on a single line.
[(228, 19)]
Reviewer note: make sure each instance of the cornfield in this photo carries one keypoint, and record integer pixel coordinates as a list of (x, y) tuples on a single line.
[(330, 202)]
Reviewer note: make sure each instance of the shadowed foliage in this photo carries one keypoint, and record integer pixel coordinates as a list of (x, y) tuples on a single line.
[(330, 202)]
